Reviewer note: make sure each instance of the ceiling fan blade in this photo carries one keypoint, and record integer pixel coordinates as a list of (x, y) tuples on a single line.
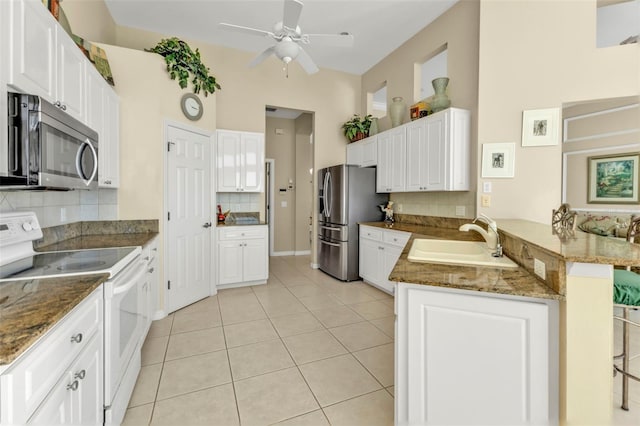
[(245, 30), (261, 57), (306, 62), (292, 10), (333, 40)]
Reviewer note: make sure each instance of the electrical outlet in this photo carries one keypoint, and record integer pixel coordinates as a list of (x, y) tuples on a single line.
[(460, 210), (539, 268), (485, 200), (399, 208)]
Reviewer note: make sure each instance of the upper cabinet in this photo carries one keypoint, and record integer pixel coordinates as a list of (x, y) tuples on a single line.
[(428, 154), (46, 62), (44, 59), (240, 161)]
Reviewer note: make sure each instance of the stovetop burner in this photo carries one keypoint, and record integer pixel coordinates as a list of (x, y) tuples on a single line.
[(66, 263)]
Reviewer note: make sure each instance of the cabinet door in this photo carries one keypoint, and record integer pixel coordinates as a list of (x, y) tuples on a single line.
[(230, 262), (354, 153), (368, 259), (383, 174), (255, 260), (435, 155), (252, 162), (416, 156), (109, 145), (70, 80), (369, 152), (506, 381), (398, 157), (228, 158), (33, 47), (390, 256), (87, 400), (57, 408)]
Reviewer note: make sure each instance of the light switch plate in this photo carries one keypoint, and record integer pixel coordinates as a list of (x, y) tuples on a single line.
[(486, 187), (485, 200)]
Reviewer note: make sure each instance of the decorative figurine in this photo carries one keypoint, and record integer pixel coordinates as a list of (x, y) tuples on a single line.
[(388, 211)]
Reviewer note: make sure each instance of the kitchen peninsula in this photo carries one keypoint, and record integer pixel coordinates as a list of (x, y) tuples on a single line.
[(485, 337)]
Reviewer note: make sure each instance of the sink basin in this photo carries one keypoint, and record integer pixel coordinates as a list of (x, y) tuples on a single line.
[(456, 252)]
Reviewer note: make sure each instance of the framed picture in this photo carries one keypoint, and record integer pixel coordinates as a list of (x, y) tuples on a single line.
[(498, 160), (613, 179), (540, 127)]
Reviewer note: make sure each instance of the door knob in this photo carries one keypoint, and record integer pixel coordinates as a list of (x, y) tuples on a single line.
[(207, 225)]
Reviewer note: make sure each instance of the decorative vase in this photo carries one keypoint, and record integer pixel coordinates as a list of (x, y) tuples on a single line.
[(373, 129), (440, 100), (396, 111)]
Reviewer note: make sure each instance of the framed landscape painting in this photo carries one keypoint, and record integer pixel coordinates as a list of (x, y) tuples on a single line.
[(613, 179)]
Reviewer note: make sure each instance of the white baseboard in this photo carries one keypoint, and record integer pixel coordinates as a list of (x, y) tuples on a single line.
[(159, 314), (315, 265), (283, 253), (302, 253)]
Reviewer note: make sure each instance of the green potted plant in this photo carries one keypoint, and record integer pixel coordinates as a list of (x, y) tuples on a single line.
[(357, 128)]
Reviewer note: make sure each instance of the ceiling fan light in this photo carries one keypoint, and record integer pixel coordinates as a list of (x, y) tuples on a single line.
[(287, 50)]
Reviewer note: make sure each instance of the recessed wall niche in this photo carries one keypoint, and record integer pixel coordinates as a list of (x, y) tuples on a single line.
[(434, 66), (618, 22), (377, 102)]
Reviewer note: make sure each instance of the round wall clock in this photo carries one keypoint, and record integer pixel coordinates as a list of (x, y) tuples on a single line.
[(191, 106)]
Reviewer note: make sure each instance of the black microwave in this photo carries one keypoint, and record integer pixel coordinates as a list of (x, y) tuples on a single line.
[(47, 148)]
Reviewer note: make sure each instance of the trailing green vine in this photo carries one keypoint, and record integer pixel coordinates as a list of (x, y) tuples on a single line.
[(183, 62)]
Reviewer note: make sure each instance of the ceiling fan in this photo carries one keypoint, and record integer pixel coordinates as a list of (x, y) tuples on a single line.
[(289, 37)]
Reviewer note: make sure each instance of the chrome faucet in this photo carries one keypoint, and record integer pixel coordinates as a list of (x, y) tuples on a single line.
[(492, 239)]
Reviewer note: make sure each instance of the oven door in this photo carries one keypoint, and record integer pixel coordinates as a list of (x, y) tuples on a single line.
[(68, 158), (124, 324)]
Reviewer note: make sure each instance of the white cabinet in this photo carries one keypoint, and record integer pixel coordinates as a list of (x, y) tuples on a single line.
[(44, 59), (363, 153), (103, 116), (41, 380), (242, 255), (467, 358), (380, 249), (240, 160), (150, 289), (73, 399), (390, 176), (428, 154)]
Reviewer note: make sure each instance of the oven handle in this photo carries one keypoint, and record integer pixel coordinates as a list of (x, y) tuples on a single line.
[(135, 276), (81, 171)]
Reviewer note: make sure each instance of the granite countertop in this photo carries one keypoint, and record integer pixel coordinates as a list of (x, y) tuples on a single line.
[(83, 242), (224, 224), (29, 308), (517, 282)]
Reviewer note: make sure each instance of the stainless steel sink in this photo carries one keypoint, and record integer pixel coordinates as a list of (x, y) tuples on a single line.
[(456, 252)]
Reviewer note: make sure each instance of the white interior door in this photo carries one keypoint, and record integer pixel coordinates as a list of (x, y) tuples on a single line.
[(188, 217)]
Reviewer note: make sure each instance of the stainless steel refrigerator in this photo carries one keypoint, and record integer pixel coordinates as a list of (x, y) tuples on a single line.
[(347, 195)]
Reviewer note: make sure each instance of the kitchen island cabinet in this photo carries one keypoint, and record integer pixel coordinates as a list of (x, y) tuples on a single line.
[(470, 358)]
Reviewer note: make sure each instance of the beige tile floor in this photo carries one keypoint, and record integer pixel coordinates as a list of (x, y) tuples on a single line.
[(304, 349)]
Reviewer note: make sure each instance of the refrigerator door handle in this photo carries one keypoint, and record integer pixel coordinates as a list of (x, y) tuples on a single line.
[(328, 195), (329, 244), (330, 228)]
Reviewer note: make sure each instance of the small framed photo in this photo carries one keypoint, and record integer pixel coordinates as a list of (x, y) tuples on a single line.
[(613, 179), (540, 127), (498, 160)]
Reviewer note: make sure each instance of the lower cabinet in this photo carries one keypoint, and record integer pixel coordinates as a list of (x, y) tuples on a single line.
[(60, 378), (242, 255), (150, 289), (471, 358), (380, 249)]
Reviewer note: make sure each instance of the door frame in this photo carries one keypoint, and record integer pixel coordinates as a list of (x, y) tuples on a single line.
[(271, 201), (210, 134)]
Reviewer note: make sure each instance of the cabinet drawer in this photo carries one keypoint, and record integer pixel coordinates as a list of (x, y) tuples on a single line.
[(396, 238), (150, 250), (25, 385), (371, 233), (241, 232)]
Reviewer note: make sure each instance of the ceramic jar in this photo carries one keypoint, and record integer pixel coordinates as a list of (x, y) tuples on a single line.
[(440, 100), (396, 111), (373, 129)]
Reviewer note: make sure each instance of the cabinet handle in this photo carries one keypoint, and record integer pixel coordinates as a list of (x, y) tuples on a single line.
[(151, 270), (155, 249), (77, 338), (147, 257), (57, 104), (80, 375), (73, 386), (107, 182), (63, 107)]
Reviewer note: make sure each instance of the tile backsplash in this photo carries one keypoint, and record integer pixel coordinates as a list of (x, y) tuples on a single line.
[(247, 202), (435, 203), (60, 207)]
